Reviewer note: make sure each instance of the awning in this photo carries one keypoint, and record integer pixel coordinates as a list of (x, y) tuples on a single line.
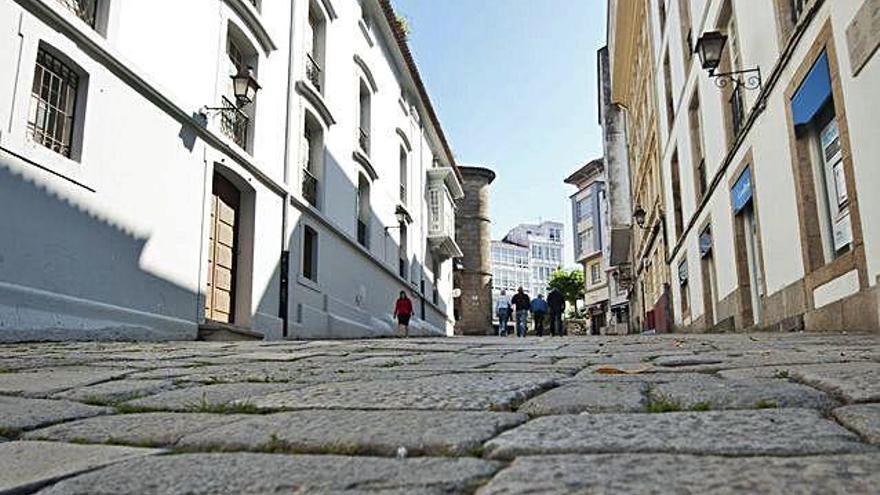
[(814, 92)]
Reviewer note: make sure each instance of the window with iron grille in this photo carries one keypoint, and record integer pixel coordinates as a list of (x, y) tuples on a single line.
[(797, 10), (87, 10), (53, 104), (737, 110)]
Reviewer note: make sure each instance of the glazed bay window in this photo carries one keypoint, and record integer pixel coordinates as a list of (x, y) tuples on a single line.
[(443, 190), (52, 116)]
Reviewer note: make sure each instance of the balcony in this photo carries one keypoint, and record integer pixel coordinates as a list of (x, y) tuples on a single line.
[(364, 140), (310, 187), (86, 10), (234, 123), (313, 72)]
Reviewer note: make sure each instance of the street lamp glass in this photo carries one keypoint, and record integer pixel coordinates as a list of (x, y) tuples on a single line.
[(245, 86), (709, 48)]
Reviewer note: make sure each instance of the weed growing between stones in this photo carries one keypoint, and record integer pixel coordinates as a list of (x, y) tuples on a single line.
[(663, 405), (9, 433), (766, 404), (204, 406), (702, 406), (125, 408), (783, 374), (97, 400)]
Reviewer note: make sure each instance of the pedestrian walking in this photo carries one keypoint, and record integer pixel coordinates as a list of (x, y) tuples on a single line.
[(556, 304), (403, 310), (502, 309), (539, 311), (523, 304)]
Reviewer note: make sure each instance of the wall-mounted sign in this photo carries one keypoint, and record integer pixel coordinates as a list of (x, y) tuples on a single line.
[(741, 193)]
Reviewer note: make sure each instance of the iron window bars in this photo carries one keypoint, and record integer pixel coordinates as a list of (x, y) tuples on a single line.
[(53, 104)]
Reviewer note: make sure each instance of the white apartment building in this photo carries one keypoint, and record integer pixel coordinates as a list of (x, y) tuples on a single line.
[(769, 162), (526, 258), (146, 197)]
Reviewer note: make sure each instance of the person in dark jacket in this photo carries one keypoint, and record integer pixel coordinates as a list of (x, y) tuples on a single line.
[(403, 310), (556, 303), (539, 311), (523, 304)]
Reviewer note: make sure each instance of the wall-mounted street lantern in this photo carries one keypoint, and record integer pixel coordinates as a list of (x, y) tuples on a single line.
[(244, 87), (709, 47), (402, 217)]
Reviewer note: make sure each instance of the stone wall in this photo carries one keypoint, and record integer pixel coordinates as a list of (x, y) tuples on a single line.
[(473, 235)]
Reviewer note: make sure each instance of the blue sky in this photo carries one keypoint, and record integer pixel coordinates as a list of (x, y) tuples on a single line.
[(514, 85)]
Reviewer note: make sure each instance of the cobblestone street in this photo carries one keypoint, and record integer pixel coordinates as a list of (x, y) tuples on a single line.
[(756, 413)]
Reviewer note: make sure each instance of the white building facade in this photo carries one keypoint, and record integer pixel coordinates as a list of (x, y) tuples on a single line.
[(143, 200), (773, 216), (526, 257)]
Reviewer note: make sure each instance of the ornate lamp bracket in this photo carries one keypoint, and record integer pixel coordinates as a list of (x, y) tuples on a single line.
[(749, 78)]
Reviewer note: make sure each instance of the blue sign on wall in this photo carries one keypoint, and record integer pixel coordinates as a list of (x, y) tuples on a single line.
[(741, 193)]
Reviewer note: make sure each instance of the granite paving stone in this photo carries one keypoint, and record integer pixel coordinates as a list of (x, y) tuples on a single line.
[(20, 413), (854, 382), (706, 391), (382, 433), (667, 413), (115, 391), (246, 473), (732, 433), (591, 397), (665, 474), (29, 465), (863, 419), (45, 382), (205, 397), (143, 429), (464, 391)]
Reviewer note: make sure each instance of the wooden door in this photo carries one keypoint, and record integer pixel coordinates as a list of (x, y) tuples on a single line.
[(222, 238)]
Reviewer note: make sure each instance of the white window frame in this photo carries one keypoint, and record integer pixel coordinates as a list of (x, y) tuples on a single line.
[(77, 169)]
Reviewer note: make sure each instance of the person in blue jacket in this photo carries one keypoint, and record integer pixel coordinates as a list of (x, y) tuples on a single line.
[(539, 311)]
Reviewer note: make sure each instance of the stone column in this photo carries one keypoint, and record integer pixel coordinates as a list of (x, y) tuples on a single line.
[(473, 275)]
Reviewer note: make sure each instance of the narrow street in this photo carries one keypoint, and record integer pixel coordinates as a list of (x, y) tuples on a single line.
[(755, 413)]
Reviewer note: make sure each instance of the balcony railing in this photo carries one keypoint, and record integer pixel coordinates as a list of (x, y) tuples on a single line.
[(364, 140), (310, 187), (313, 72), (797, 10), (234, 123), (737, 109), (84, 9)]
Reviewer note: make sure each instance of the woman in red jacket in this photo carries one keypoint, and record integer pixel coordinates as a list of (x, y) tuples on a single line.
[(403, 312)]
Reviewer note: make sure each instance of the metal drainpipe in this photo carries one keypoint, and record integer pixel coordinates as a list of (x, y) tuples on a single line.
[(284, 262)]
